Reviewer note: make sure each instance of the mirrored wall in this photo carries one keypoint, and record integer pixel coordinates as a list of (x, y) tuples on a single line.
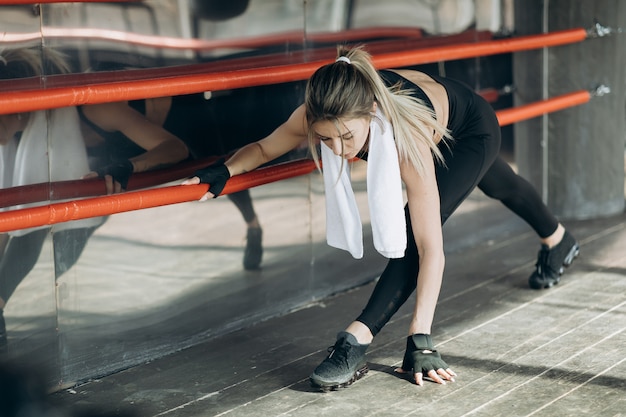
[(87, 298)]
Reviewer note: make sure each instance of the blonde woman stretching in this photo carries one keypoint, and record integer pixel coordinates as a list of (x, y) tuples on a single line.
[(446, 140)]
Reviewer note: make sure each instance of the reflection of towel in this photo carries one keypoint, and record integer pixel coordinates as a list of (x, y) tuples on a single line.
[(51, 148), (385, 199)]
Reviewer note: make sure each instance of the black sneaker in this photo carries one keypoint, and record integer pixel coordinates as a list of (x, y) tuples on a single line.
[(344, 365), (551, 262), (254, 249)]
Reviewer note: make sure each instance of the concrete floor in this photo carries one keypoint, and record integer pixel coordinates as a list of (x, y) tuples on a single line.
[(517, 351)]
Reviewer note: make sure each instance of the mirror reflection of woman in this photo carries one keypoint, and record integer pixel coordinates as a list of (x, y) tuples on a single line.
[(49, 145)]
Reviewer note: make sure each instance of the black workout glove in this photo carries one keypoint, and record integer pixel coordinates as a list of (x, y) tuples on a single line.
[(120, 170), (215, 175), (420, 356)]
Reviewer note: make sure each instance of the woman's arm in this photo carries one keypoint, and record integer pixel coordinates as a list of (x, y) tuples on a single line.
[(162, 147), (423, 202), (286, 137)]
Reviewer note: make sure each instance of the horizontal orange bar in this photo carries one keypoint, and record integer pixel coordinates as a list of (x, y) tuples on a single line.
[(63, 190), (453, 52), (528, 111), (180, 83), (137, 200)]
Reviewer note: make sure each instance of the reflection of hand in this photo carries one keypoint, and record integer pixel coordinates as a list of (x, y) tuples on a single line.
[(110, 185), (216, 175), (421, 358), (118, 172)]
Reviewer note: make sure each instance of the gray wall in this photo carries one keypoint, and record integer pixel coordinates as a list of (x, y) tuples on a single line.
[(575, 157)]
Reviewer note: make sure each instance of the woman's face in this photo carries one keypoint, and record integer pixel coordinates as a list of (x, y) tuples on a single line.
[(10, 124), (348, 141)]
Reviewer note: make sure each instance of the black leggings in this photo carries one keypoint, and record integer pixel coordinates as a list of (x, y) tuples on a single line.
[(472, 161), (243, 202), (22, 252)]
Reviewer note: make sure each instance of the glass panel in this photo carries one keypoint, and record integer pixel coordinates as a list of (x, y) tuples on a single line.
[(27, 289), (136, 285)]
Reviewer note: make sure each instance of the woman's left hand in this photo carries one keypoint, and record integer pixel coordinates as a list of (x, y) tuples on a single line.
[(421, 359)]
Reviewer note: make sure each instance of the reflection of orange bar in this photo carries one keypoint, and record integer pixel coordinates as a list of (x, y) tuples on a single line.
[(490, 94), (528, 111), (181, 83), (154, 41), (118, 203)]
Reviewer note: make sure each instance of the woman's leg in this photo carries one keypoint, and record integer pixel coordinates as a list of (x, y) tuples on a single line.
[(68, 246), (558, 246), (19, 259), (253, 252), (502, 183), (466, 163)]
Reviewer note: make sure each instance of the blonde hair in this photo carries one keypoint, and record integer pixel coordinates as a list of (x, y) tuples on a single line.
[(31, 62), (348, 88)]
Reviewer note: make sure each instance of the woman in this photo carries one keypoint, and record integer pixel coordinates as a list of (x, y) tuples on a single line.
[(447, 141), (49, 145)]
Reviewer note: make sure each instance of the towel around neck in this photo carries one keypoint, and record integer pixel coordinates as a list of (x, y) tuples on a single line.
[(384, 193)]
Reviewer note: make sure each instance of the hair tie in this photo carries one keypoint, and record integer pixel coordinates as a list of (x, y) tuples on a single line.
[(344, 59)]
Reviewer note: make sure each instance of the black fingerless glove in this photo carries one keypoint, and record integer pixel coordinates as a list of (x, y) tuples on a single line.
[(420, 356), (215, 175), (120, 170)]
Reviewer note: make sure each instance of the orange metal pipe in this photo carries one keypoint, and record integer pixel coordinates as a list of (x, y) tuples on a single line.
[(137, 200), (63, 190), (40, 99), (486, 48), (528, 111)]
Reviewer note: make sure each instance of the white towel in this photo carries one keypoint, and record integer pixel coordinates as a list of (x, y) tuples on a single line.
[(51, 148), (385, 198)]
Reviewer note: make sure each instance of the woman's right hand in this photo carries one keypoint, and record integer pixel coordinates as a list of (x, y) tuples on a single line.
[(216, 175)]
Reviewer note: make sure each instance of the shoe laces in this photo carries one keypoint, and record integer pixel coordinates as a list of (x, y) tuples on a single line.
[(339, 352)]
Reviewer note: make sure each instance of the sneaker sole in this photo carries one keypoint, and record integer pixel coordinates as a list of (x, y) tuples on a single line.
[(571, 255), (360, 373)]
